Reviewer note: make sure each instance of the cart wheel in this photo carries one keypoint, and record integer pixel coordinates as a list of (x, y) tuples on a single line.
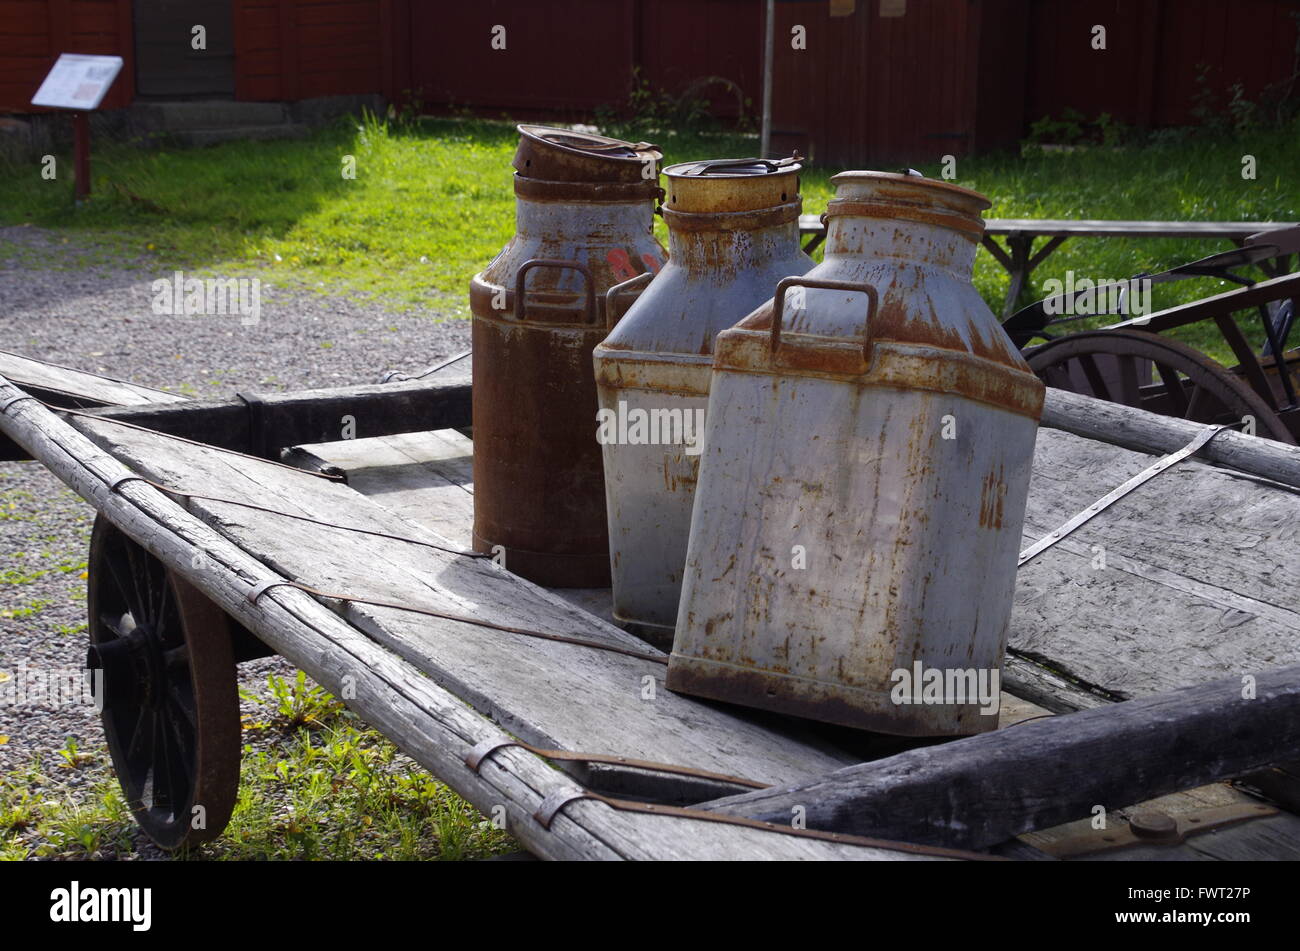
[(171, 705), (1153, 373)]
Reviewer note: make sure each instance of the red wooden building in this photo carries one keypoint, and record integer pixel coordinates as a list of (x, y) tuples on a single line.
[(878, 80)]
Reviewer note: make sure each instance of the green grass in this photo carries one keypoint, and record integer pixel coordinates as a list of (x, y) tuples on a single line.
[(431, 204), (316, 784)]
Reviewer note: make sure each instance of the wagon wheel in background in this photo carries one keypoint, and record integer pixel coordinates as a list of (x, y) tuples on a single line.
[(171, 704), (1154, 373)]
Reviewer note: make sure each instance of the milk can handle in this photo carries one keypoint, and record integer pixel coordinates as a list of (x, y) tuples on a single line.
[(873, 303), (638, 281), (560, 265)]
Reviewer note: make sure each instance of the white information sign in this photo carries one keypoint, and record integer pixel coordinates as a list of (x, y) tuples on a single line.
[(78, 81)]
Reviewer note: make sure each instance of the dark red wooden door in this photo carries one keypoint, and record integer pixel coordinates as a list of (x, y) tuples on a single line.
[(167, 66)]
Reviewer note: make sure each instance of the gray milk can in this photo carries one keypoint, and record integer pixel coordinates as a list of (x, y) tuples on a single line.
[(733, 232), (866, 462)]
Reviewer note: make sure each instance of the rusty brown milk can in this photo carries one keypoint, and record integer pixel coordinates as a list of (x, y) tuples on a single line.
[(867, 451), (583, 223), (733, 232)]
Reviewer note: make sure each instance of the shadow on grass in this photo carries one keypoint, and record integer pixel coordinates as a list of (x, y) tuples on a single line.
[(231, 192)]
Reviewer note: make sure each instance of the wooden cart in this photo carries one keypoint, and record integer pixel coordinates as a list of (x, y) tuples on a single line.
[(1134, 646)]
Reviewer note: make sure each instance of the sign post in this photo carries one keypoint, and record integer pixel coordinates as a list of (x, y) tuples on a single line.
[(79, 82)]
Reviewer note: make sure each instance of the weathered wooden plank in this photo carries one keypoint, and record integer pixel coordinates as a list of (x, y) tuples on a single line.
[(64, 386), (1265, 837), (1139, 430), (430, 724), (1283, 287), (1091, 228), (81, 388), (310, 416), (550, 694), (1278, 838), (980, 791), (426, 478), (1280, 782), (1035, 683), (1188, 579)]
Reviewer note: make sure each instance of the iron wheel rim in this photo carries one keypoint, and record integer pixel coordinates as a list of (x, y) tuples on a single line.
[(1195, 386), (169, 689)]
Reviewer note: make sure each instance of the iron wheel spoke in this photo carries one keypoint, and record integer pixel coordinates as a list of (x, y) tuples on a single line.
[(1174, 389), (1094, 377), (125, 589), (1129, 384)]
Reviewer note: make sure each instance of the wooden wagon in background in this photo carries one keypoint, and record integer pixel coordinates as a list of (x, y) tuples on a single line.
[(1154, 653), (1136, 361)]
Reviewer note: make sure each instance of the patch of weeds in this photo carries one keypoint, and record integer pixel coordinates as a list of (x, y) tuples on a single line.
[(28, 610), (300, 704), (42, 817), (327, 788), (72, 756), (341, 793), (16, 576)]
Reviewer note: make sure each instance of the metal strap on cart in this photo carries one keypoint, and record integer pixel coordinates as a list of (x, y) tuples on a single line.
[(1110, 498)]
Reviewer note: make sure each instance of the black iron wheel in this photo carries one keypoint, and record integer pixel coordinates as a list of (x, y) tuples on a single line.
[(1153, 373), (171, 704)]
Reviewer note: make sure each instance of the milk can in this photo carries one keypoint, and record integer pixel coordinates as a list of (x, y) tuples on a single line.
[(866, 462), (733, 232), (583, 223)]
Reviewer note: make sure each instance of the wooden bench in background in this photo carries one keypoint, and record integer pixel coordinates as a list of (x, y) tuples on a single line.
[(1019, 257)]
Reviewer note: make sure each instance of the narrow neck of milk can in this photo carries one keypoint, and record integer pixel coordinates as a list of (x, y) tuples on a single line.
[(734, 247), (912, 220), (862, 235), (726, 215), (595, 223)]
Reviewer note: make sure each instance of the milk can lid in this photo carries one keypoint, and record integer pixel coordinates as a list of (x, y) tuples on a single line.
[(854, 184), (734, 168), (568, 155)]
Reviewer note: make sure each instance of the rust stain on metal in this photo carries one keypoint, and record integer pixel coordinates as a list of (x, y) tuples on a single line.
[(584, 215), (733, 231), (992, 496), (864, 412)]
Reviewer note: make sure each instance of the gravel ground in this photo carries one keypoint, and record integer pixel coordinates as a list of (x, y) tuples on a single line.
[(72, 309)]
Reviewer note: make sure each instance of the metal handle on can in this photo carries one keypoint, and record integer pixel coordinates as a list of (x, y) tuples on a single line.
[(610, 320), (873, 304), (559, 265)]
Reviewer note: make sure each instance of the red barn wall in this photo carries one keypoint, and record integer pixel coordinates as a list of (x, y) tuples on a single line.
[(1147, 75), (34, 32), (571, 59), (946, 76), (298, 49)]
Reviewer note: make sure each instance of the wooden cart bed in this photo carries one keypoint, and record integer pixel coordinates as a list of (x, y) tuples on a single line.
[(1196, 587)]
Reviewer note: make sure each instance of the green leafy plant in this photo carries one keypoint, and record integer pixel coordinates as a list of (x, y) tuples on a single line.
[(1066, 130), (300, 704), (651, 111), (73, 757)]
